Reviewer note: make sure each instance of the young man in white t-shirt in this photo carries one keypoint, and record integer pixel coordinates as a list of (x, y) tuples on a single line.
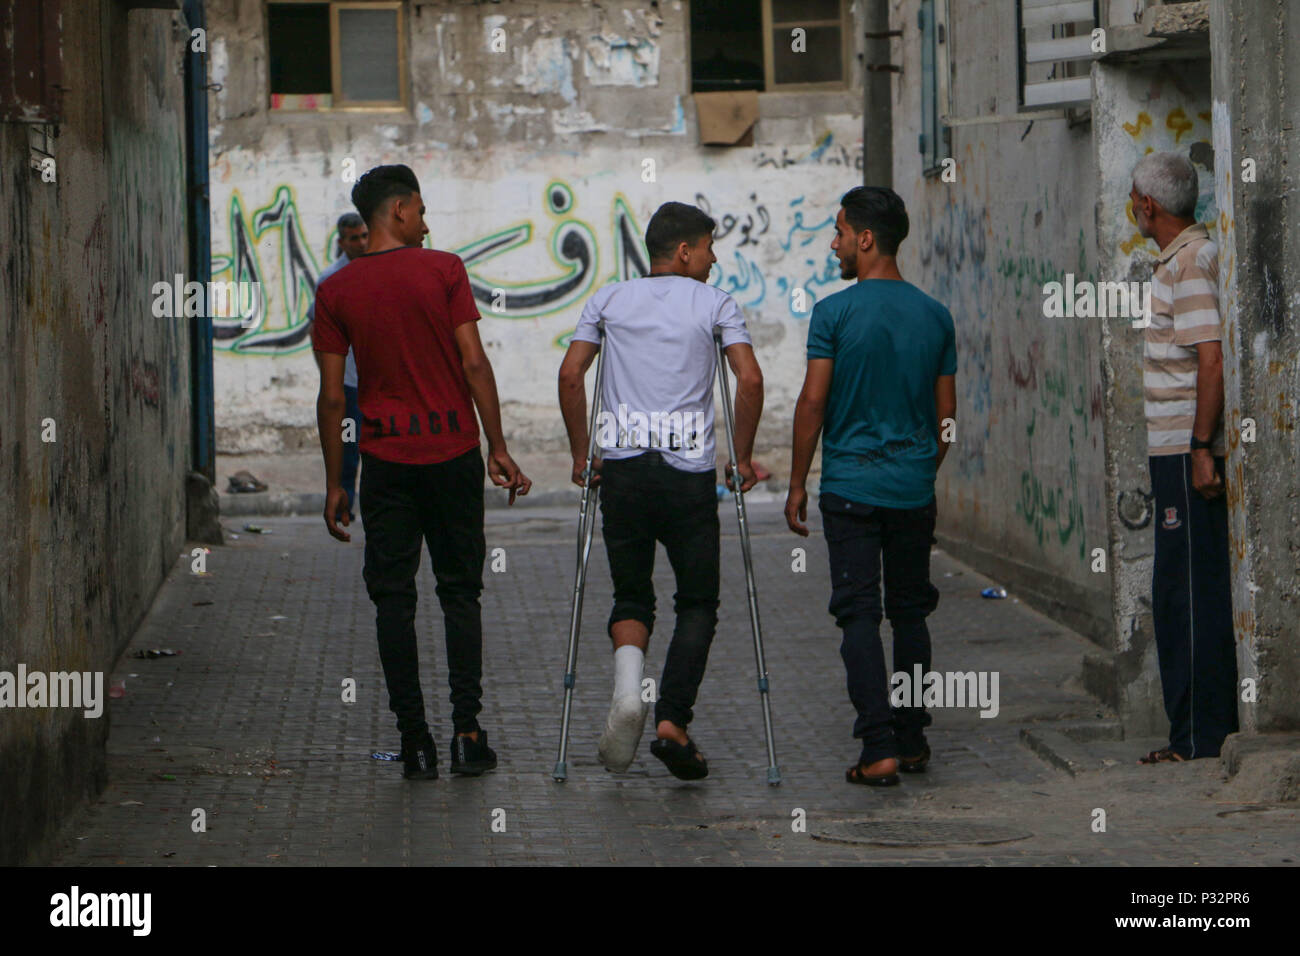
[(657, 466)]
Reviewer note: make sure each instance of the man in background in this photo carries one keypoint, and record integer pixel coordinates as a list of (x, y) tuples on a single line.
[(351, 242), (1182, 374)]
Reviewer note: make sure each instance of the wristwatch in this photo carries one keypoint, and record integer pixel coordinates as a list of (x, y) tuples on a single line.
[(1198, 444)]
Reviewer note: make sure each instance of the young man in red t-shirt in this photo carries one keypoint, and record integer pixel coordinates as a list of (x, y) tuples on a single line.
[(409, 315)]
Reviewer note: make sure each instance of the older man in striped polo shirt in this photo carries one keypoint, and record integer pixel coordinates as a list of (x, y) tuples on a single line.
[(1191, 601)]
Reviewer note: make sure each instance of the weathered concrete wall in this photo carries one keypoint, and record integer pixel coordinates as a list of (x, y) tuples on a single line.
[(1138, 109), (1022, 493), (93, 519), (544, 145), (1256, 112)]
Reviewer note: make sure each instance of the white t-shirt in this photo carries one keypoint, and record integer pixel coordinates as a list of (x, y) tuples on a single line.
[(350, 363), (660, 362)]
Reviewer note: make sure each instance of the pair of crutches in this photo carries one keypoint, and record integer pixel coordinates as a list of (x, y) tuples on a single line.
[(587, 524)]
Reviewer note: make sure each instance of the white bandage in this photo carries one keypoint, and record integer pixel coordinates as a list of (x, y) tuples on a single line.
[(629, 663)]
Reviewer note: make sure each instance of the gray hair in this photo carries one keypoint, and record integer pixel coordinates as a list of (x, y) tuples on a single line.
[(350, 220), (1170, 180)]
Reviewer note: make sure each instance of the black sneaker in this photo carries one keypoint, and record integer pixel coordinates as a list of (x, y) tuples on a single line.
[(420, 761), (472, 757)]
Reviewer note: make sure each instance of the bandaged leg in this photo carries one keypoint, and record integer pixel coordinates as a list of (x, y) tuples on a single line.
[(627, 712)]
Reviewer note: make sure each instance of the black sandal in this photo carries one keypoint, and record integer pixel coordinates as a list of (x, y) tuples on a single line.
[(915, 764), (683, 762), (857, 774)]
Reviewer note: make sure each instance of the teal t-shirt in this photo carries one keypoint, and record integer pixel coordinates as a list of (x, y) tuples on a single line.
[(889, 341)]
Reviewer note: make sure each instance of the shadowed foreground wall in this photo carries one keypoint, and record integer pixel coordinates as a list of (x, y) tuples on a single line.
[(92, 520)]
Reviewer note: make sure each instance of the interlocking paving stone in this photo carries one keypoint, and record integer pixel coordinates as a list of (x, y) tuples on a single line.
[(250, 721)]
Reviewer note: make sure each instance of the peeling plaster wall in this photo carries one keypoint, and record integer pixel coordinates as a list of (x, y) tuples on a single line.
[(1256, 113), (94, 519), (543, 146), (1022, 493)]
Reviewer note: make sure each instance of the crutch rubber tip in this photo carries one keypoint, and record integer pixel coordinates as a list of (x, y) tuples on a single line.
[(560, 772), (773, 777)]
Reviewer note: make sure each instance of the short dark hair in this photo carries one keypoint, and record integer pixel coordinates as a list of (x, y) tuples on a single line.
[(879, 209), (380, 184), (350, 220), (674, 223)]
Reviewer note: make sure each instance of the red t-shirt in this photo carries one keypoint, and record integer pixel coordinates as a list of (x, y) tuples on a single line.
[(398, 309)]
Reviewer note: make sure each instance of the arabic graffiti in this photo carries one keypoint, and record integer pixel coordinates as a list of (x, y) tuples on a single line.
[(1049, 509), (821, 270), (749, 237), (953, 249), (728, 221), (824, 153), (264, 331)]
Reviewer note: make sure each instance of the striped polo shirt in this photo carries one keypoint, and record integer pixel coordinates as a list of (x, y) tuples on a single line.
[(1184, 311)]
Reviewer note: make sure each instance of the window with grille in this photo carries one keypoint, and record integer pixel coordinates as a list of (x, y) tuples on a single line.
[(772, 45), (331, 56)]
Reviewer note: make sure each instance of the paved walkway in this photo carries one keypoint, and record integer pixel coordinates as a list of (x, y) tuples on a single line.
[(248, 724)]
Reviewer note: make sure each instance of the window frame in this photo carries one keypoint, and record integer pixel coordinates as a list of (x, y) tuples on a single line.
[(337, 104), (932, 159), (846, 27), (1041, 99)]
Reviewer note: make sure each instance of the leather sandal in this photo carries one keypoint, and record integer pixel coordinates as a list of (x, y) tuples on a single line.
[(858, 774), (915, 764), (683, 761)]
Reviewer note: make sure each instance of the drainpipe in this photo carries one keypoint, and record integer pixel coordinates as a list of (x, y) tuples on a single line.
[(202, 408), (877, 106)]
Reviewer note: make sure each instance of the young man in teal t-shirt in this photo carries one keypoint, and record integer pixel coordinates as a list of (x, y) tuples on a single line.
[(880, 383)]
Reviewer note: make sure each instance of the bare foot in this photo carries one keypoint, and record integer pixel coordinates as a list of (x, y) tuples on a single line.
[(667, 730)]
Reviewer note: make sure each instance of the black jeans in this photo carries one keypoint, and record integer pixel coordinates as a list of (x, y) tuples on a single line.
[(441, 505), (858, 537), (644, 500), (1191, 609)]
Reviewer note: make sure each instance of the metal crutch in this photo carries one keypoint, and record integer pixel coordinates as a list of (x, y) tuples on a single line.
[(773, 773), (586, 525)]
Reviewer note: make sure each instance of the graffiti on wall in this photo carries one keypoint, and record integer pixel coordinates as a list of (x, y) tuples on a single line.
[(1069, 402), (953, 244), (824, 153), (1040, 374), (764, 254), (1051, 507), (1193, 132)]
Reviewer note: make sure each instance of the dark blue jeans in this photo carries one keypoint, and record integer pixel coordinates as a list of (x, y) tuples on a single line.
[(1191, 609), (351, 449), (860, 538), (439, 505), (644, 500)]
